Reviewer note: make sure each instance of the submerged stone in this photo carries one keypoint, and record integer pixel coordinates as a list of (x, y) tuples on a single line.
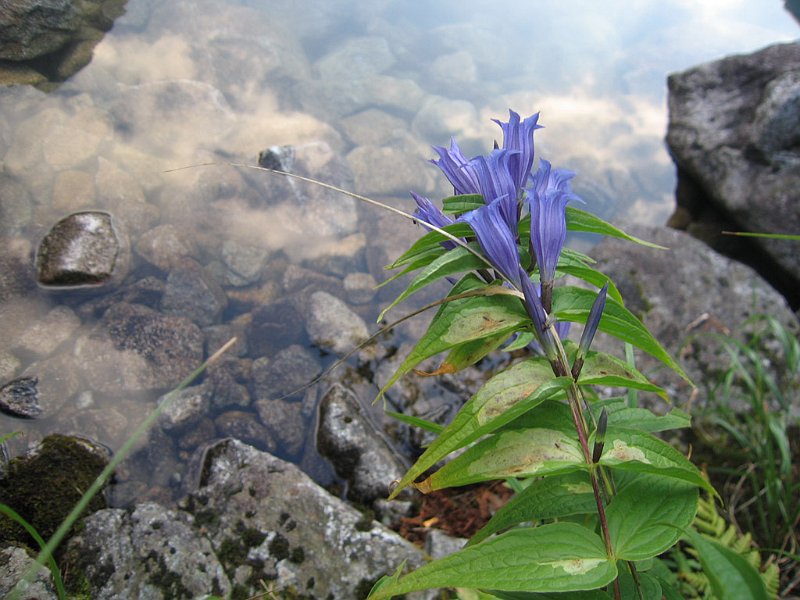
[(82, 249), (19, 398)]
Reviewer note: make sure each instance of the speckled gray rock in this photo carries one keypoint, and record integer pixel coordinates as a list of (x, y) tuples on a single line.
[(150, 552), (278, 525), (191, 292), (14, 563), (164, 246), (680, 293), (332, 325), (287, 422), (733, 134), (356, 447), (288, 371), (46, 334), (185, 408), (85, 248), (19, 398), (244, 426), (137, 348)]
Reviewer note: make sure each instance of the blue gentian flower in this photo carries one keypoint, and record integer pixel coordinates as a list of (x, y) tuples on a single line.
[(496, 239), (547, 197), (454, 165), (518, 140), (592, 323), (496, 184), (428, 212)]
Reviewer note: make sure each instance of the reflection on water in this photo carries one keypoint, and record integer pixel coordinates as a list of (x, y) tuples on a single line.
[(360, 90)]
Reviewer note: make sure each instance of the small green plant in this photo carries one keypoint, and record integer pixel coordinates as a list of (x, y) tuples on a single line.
[(749, 419)]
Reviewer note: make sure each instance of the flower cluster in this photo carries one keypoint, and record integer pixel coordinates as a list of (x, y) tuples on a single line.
[(508, 185)]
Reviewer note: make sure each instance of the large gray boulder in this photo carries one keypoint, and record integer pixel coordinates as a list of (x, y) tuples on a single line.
[(734, 134), (248, 518), (685, 296)]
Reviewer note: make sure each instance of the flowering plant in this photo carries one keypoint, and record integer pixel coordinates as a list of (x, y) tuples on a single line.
[(599, 496)]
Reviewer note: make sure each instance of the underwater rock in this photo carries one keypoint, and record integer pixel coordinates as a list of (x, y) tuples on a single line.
[(14, 563), (332, 325), (286, 372), (355, 447), (19, 398), (734, 134), (191, 292), (360, 287), (244, 426), (82, 249)]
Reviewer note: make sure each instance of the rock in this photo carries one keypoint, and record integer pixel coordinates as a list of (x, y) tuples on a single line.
[(165, 246), (18, 398), (44, 486), (360, 288), (9, 365), (191, 292), (83, 249), (43, 337), (244, 426), (696, 290), (733, 135), (186, 408), (150, 552), (272, 523), (226, 391), (16, 276), (372, 127), (391, 170), (275, 326), (245, 263), (287, 422), (289, 370), (14, 564), (58, 381), (332, 326), (73, 190), (357, 449), (17, 206), (357, 58), (136, 348)]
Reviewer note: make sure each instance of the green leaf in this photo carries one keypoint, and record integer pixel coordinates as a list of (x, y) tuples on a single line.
[(600, 368), (469, 353), (649, 586), (559, 557), (511, 453), (461, 204), (621, 415), (647, 514), (573, 304), (430, 241), (457, 260), (504, 397), (522, 340), (577, 595), (729, 573), (464, 320), (592, 276), (631, 450), (416, 421), (580, 220), (546, 498)]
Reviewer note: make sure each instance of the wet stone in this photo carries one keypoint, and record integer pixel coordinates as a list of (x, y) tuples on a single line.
[(9, 365), (191, 292), (19, 398), (244, 426), (360, 287), (81, 249), (289, 370), (58, 381), (226, 391), (332, 325), (185, 408), (286, 420), (15, 562), (164, 246), (244, 263), (46, 334)]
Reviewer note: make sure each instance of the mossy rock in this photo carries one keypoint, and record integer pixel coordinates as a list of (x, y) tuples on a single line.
[(44, 486)]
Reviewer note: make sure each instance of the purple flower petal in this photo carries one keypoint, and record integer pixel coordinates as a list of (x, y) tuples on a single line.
[(518, 140), (456, 168), (495, 239), (496, 184)]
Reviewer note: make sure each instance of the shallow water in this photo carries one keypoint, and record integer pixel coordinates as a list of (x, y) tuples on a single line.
[(364, 85)]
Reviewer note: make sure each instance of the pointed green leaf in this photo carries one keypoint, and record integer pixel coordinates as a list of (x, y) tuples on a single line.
[(431, 240), (580, 220), (573, 304), (592, 276), (547, 498), (649, 586), (559, 557), (464, 320), (504, 397), (621, 415), (511, 453), (577, 595), (521, 341), (464, 355), (457, 260), (631, 450), (647, 515), (729, 573), (416, 421), (600, 368), (461, 204)]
